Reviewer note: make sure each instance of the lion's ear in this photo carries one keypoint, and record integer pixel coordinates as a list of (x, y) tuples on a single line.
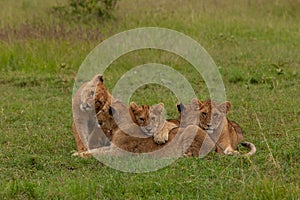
[(133, 106), (180, 107), (111, 111), (225, 107), (195, 104), (228, 106), (100, 78), (159, 107)]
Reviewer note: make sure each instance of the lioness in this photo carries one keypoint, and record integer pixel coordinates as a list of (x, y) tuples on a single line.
[(226, 134), (89, 99), (138, 137)]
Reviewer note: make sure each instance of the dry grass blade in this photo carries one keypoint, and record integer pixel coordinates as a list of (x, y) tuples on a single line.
[(268, 146)]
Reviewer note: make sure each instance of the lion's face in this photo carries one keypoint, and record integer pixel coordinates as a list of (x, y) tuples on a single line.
[(212, 114), (87, 99), (114, 115), (140, 114), (189, 114), (105, 118), (148, 118), (94, 95)]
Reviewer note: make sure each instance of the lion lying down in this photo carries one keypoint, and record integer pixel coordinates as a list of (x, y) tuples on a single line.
[(139, 129), (226, 134)]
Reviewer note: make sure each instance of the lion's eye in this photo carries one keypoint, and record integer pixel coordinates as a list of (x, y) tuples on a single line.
[(142, 119), (216, 115), (153, 118), (92, 93)]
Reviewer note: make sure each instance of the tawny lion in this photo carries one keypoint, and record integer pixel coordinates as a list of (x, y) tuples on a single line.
[(87, 101), (226, 134)]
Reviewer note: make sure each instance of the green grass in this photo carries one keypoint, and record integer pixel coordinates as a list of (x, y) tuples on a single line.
[(255, 45)]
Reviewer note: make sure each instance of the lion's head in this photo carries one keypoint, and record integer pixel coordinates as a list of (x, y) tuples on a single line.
[(105, 118), (212, 114), (189, 114), (148, 118), (94, 95), (102, 96), (113, 116)]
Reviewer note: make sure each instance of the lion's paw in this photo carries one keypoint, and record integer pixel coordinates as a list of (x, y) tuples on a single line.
[(84, 154), (75, 154), (187, 154), (161, 138)]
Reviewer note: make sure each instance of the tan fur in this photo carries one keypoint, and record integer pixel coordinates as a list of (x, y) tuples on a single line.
[(137, 136), (110, 122), (189, 114), (150, 120), (194, 141), (89, 98), (80, 145), (140, 114), (226, 134)]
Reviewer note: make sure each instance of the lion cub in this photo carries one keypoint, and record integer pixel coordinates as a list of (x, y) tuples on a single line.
[(87, 101), (146, 123), (226, 134)]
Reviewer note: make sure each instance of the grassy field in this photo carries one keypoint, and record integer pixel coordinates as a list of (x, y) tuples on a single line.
[(255, 45)]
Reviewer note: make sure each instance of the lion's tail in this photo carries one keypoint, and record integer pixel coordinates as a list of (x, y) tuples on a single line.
[(250, 146)]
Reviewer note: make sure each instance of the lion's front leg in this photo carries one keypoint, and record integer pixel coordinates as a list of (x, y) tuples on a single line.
[(97, 139), (162, 136), (83, 154), (79, 142), (109, 150)]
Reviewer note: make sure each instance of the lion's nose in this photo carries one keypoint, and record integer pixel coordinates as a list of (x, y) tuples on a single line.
[(85, 106)]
